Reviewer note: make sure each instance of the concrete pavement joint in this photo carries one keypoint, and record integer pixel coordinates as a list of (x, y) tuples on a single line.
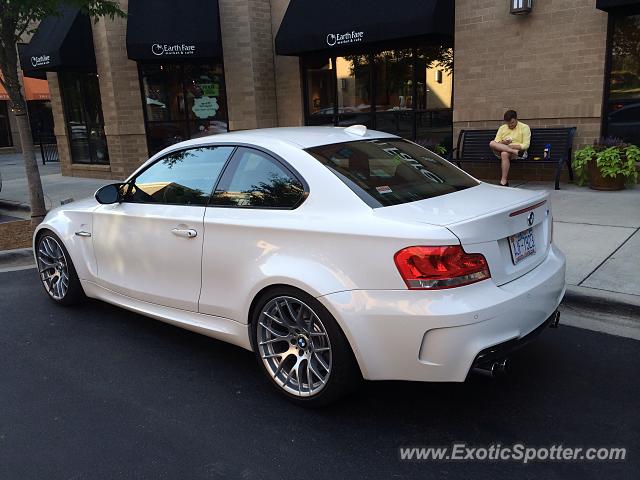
[(594, 224), (608, 257)]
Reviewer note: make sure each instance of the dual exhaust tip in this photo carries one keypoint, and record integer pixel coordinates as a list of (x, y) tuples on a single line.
[(495, 369), (499, 368)]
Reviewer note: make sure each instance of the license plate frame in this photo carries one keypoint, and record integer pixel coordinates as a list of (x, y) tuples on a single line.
[(520, 251)]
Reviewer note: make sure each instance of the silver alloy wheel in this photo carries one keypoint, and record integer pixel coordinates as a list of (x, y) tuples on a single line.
[(53, 267), (294, 346)]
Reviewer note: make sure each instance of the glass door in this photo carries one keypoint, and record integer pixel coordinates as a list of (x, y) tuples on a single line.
[(622, 115), (83, 116)]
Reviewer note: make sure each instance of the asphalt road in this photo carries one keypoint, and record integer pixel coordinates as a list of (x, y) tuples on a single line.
[(97, 392)]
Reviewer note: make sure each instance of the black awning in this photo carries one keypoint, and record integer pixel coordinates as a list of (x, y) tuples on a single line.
[(168, 30), (611, 4), (25, 63), (62, 42), (310, 25)]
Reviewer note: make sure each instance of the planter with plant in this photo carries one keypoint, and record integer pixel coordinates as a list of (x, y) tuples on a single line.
[(608, 164)]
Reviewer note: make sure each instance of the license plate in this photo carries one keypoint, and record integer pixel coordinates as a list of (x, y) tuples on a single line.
[(522, 245)]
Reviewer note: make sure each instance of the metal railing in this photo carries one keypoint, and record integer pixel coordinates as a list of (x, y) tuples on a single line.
[(49, 149)]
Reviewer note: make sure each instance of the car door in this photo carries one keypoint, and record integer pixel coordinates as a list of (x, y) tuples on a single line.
[(244, 223), (149, 246)]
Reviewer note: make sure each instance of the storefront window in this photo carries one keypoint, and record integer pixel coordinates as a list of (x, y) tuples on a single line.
[(623, 105), (394, 91), (182, 101), (434, 90), (321, 93), (407, 92), (83, 116), (354, 90)]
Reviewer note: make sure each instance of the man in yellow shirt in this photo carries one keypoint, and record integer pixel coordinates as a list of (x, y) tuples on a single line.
[(512, 138)]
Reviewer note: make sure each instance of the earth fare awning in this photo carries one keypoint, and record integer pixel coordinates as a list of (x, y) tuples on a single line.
[(167, 30), (61, 42), (311, 25)]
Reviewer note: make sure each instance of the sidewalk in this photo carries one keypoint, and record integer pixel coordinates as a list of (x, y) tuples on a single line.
[(14, 195), (598, 231)]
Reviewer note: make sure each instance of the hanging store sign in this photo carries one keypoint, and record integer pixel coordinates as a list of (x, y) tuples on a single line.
[(40, 61), (346, 38), (176, 49)]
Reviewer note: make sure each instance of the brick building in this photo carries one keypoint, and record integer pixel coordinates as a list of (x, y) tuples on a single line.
[(125, 88)]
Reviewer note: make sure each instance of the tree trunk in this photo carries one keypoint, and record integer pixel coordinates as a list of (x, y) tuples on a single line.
[(11, 83), (36, 195)]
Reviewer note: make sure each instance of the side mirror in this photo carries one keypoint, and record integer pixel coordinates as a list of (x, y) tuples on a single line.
[(109, 194)]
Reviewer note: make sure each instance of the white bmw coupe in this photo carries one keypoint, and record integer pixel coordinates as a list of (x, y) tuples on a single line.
[(334, 254)]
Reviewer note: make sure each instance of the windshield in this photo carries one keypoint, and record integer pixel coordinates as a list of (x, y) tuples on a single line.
[(386, 172)]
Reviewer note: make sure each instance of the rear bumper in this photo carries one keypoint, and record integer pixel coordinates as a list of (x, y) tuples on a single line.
[(437, 335)]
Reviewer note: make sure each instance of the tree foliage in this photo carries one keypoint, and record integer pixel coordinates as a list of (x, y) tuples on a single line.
[(17, 19), (21, 17)]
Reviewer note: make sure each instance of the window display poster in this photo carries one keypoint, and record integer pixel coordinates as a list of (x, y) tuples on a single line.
[(205, 107)]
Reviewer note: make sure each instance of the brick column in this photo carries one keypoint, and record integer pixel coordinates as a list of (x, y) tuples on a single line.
[(120, 92), (288, 81), (248, 63)]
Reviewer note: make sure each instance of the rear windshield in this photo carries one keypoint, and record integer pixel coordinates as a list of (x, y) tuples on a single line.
[(388, 172)]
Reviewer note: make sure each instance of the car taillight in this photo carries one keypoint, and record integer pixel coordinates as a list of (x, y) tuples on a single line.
[(432, 268)]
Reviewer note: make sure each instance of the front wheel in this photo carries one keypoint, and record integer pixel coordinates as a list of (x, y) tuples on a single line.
[(302, 349), (57, 273)]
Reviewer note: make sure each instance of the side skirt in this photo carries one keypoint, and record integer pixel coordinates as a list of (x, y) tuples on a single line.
[(220, 328)]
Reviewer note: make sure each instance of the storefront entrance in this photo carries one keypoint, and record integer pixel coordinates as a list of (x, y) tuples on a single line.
[(179, 55), (64, 44), (405, 91), (182, 101), (390, 69)]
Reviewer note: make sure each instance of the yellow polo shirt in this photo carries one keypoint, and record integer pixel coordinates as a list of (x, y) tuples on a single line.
[(520, 135)]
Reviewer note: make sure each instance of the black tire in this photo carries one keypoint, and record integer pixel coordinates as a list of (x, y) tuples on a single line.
[(344, 376), (74, 293)]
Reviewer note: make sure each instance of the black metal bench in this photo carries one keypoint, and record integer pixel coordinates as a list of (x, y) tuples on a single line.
[(473, 146)]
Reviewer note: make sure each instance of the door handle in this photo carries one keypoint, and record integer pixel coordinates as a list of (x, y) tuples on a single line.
[(185, 232), (82, 233)]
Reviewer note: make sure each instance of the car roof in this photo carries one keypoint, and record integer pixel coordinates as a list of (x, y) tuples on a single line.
[(301, 137)]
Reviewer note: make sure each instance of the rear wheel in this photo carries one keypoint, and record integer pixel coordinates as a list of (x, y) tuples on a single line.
[(57, 273), (302, 349)]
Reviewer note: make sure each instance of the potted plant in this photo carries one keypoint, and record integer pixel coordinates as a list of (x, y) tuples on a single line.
[(608, 164)]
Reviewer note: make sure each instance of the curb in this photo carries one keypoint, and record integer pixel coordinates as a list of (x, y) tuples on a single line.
[(603, 301), (17, 259), (11, 205)]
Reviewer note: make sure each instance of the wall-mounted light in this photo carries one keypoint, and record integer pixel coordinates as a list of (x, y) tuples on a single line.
[(520, 7), (438, 76)]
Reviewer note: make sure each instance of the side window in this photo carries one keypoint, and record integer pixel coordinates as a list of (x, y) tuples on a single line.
[(255, 179), (185, 177)]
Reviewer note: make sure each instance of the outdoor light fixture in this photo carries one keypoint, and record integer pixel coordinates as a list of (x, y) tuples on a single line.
[(520, 7)]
